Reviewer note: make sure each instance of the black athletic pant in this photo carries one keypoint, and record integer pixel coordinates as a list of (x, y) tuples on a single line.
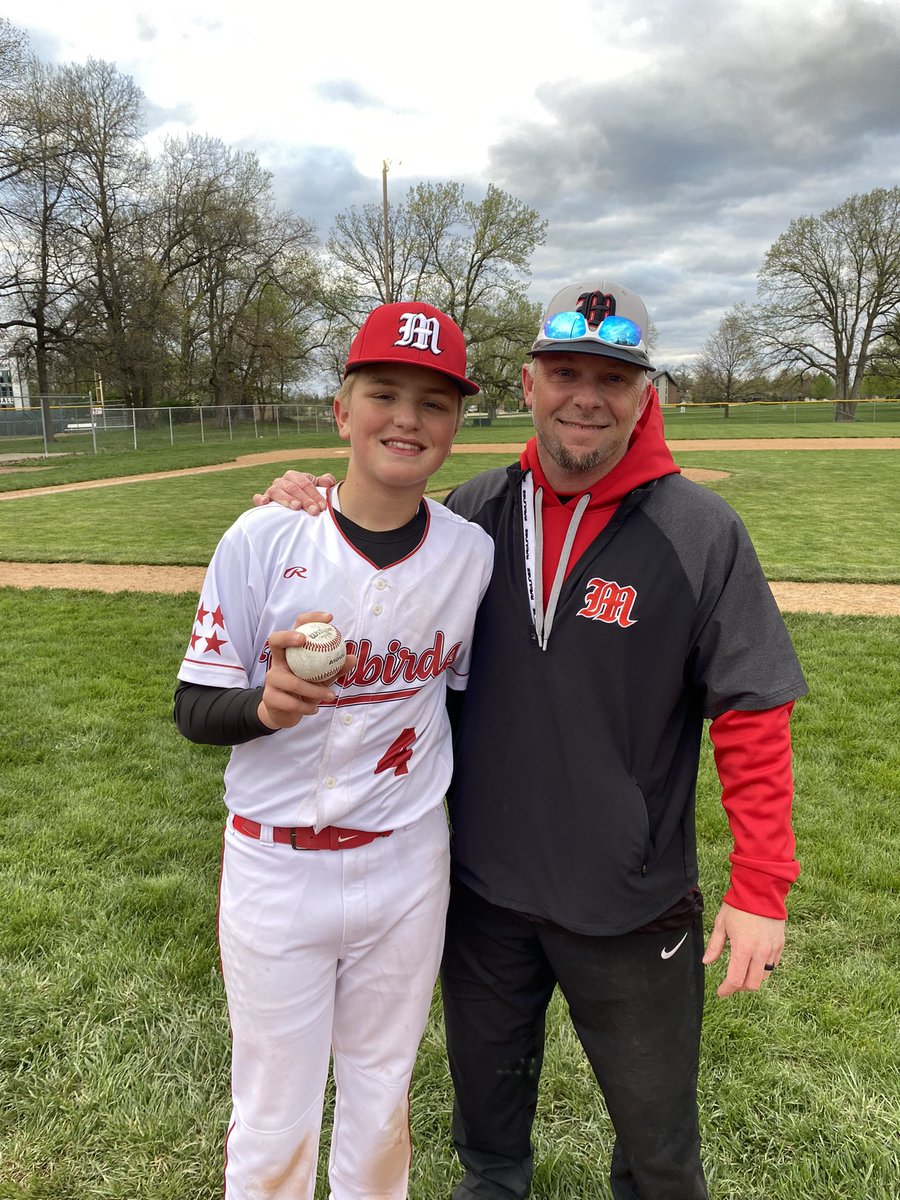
[(636, 1002)]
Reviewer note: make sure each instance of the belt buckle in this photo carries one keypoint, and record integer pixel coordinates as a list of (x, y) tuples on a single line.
[(293, 837)]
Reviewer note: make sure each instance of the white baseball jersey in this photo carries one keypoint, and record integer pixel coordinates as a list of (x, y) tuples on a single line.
[(381, 756)]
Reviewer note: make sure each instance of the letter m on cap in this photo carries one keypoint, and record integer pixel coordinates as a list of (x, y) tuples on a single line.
[(419, 332), (595, 307)]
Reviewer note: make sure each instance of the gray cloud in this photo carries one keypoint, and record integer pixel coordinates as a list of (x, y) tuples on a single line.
[(157, 114), (677, 178), (147, 31), (316, 182), (45, 45), (346, 91)]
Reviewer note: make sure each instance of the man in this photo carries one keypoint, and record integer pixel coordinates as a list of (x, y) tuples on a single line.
[(625, 606)]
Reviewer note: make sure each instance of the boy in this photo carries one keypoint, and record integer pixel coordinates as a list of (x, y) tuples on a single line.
[(338, 950)]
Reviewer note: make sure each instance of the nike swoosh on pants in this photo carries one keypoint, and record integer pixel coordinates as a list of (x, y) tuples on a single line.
[(664, 953)]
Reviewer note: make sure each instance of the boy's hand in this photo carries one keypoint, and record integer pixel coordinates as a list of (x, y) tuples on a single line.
[(297, 489), (286, 698)]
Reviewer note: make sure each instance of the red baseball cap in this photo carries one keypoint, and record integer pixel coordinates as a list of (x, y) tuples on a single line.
[(416, 333)]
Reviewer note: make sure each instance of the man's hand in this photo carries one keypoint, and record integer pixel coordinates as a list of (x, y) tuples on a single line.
[(296, 489), (286, 699), (755, 941)]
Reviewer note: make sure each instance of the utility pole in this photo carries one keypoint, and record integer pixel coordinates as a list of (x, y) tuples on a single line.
[(388, 290)]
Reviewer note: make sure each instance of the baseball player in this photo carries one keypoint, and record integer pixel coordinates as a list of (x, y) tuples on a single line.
[(336, 863)]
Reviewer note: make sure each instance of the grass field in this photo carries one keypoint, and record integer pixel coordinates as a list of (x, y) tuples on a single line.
[(114, 1037), (114, 1041), (820, 515)]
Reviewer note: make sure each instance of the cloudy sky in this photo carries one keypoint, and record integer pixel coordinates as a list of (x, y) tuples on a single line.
[(667, 142)]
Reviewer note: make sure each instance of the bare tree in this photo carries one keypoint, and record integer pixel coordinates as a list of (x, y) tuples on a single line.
[(356, 248), (729, 361), (36, 283), (500, 338), (476, 254), (830, 288)]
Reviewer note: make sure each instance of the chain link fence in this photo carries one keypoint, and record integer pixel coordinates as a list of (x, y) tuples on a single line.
[(783, 412), (88, 426)]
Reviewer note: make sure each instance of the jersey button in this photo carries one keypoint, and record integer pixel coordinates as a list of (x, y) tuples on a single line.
[(348, 720), (330, 781), (377, 609), (380, 584)]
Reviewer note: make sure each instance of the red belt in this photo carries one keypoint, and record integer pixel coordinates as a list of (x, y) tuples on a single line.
[(332, 837)]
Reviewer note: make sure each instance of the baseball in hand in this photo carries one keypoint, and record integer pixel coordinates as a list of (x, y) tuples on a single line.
[(321, 660)]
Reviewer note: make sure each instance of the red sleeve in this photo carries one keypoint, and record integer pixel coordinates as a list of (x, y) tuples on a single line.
[(753, 759)]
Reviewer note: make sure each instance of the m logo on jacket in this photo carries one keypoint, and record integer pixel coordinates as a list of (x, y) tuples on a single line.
[(607, 601)]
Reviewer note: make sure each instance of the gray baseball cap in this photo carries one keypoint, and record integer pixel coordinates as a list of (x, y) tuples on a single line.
[(596, 318)]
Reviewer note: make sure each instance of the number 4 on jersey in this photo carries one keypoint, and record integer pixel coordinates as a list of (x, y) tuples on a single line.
[(398, 754)]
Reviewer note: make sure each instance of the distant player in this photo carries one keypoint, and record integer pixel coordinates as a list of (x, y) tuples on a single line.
[(335, 872)]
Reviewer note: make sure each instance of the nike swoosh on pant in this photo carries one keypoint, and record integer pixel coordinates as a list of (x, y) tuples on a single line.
[(664, 953)]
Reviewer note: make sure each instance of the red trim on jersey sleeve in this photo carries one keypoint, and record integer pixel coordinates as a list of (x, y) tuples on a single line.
[(753, 759), (218, 666)]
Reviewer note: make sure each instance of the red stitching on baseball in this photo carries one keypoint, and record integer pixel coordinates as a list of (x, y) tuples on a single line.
[(322, 647)]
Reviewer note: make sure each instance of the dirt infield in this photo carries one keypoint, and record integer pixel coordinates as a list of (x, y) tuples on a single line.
[(859, 599), (839, 598)]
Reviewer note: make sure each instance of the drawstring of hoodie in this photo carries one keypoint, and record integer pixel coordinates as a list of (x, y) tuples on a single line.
[(532, 522)]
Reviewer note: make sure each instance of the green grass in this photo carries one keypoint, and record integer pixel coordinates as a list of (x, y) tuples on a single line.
[(171, 521), (815, 515), (114, 1039), (73, 458), (74, 468)]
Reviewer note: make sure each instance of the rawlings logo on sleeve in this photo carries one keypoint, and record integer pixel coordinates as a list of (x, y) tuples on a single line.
[(607, 601)]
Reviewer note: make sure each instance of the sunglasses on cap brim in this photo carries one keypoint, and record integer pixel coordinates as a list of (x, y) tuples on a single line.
[(612, 331)]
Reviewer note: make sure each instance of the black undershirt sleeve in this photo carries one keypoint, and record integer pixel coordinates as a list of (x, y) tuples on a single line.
[(218, 716)]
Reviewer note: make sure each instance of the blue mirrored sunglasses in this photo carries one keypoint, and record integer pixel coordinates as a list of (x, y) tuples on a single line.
[(615, 331)]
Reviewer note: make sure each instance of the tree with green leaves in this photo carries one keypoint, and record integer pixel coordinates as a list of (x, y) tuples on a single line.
[(883, 375), (14, 60), (469, 258), (830, 290), (249, 296)]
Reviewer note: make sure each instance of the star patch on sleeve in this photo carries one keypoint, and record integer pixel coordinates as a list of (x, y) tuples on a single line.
[(213, 643)]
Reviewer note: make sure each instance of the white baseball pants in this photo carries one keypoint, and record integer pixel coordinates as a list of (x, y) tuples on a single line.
[(328, 952)]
